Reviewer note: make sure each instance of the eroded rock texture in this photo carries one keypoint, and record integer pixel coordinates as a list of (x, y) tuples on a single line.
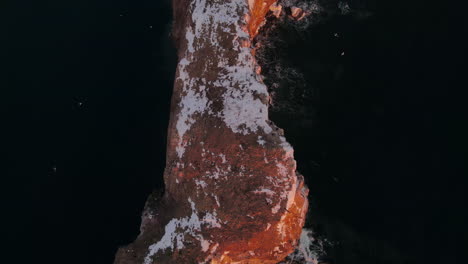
[(232, 192)]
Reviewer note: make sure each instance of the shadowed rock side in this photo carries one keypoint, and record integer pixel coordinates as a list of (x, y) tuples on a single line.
[(232, 192)]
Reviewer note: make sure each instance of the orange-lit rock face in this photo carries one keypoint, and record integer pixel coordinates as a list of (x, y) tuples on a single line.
[(258, 11), (232, 192)]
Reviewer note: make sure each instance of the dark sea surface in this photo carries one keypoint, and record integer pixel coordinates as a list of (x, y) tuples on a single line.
[(376, 115), (375, 131)]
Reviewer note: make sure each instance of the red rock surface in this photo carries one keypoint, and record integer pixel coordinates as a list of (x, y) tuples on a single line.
[(297, 13), (232, 191)]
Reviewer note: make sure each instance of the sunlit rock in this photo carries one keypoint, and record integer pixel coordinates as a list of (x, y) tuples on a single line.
[(298, 13), (276, 9), (232, 193)]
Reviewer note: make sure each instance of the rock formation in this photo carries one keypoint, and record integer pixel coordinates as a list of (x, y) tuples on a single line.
[(232, 193)]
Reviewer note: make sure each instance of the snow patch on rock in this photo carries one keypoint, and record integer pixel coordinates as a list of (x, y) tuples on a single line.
[(243, 111), (176, 230), (260, 140), (193, 102), (265, 191)]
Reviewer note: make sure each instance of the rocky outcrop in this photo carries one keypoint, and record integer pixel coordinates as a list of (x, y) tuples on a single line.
[(232, 193)]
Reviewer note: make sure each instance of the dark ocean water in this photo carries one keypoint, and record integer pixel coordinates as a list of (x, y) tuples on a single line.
[(378, 132), (375, 131)]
